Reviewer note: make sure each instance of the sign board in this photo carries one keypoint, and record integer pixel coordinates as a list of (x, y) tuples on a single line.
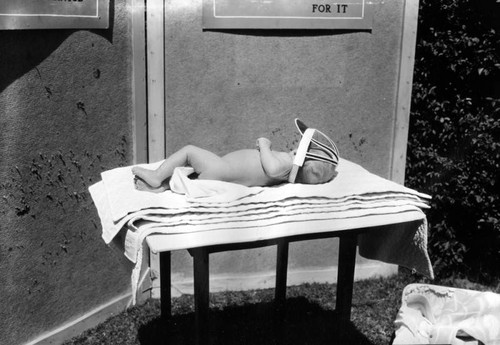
[(54, 14), (287, 14)]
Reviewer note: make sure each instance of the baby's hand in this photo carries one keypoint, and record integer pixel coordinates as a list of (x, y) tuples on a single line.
[(263, 142)]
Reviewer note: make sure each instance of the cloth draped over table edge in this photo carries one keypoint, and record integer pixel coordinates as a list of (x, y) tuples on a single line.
[(116, 200)]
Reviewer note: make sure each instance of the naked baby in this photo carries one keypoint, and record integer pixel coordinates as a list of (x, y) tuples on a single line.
[(313, 162)]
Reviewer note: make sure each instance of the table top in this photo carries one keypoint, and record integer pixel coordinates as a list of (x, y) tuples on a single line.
[(160, 242)]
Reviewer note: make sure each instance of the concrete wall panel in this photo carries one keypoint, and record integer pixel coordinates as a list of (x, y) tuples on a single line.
[(224, 89), (65, 116)]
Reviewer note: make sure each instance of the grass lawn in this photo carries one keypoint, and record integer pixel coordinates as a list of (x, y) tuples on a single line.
[(247, 317)]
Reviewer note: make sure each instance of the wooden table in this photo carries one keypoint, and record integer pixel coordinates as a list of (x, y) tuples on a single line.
[(201, 244)]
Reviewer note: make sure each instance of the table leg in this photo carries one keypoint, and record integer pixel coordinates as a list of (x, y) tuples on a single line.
[(281, 276), (165, 285), (345, 278), (201, 294), (280, 290), (345, 284)]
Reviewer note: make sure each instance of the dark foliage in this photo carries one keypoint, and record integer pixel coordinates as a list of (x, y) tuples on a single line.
[(454, 140)]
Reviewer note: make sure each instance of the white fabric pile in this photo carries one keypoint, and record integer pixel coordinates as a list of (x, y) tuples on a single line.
[(201, 205), (431, 314)]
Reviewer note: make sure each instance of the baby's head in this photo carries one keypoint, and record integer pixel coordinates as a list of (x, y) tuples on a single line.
[(316, 159), (316, 172)]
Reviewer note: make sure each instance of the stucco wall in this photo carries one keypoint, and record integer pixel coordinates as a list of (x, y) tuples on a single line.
[(65, 116), (224, 89)]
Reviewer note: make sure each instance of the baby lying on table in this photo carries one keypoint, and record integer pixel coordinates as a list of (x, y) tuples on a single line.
[(312, 163)]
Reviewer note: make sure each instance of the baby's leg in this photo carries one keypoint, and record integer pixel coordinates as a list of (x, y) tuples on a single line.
[(201, 160)]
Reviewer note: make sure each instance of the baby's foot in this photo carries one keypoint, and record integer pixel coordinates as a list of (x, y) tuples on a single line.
[(148, 176), (143, 186)]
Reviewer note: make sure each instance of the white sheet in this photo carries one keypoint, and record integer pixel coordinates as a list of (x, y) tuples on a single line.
[(352, 179), (121, 198), (204, 206)]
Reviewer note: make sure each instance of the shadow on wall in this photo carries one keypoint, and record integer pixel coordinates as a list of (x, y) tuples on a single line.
[(22, 50), (288, 32)]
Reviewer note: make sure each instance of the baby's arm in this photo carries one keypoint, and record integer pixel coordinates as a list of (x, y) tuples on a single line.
[(275, 164)]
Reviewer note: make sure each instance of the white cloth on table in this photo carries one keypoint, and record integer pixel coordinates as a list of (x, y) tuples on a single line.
[(201, 205), (122, 199)]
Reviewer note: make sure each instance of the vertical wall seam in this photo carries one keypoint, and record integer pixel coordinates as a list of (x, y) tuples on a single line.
[(139, 91), (155, 75), (404, 89)]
